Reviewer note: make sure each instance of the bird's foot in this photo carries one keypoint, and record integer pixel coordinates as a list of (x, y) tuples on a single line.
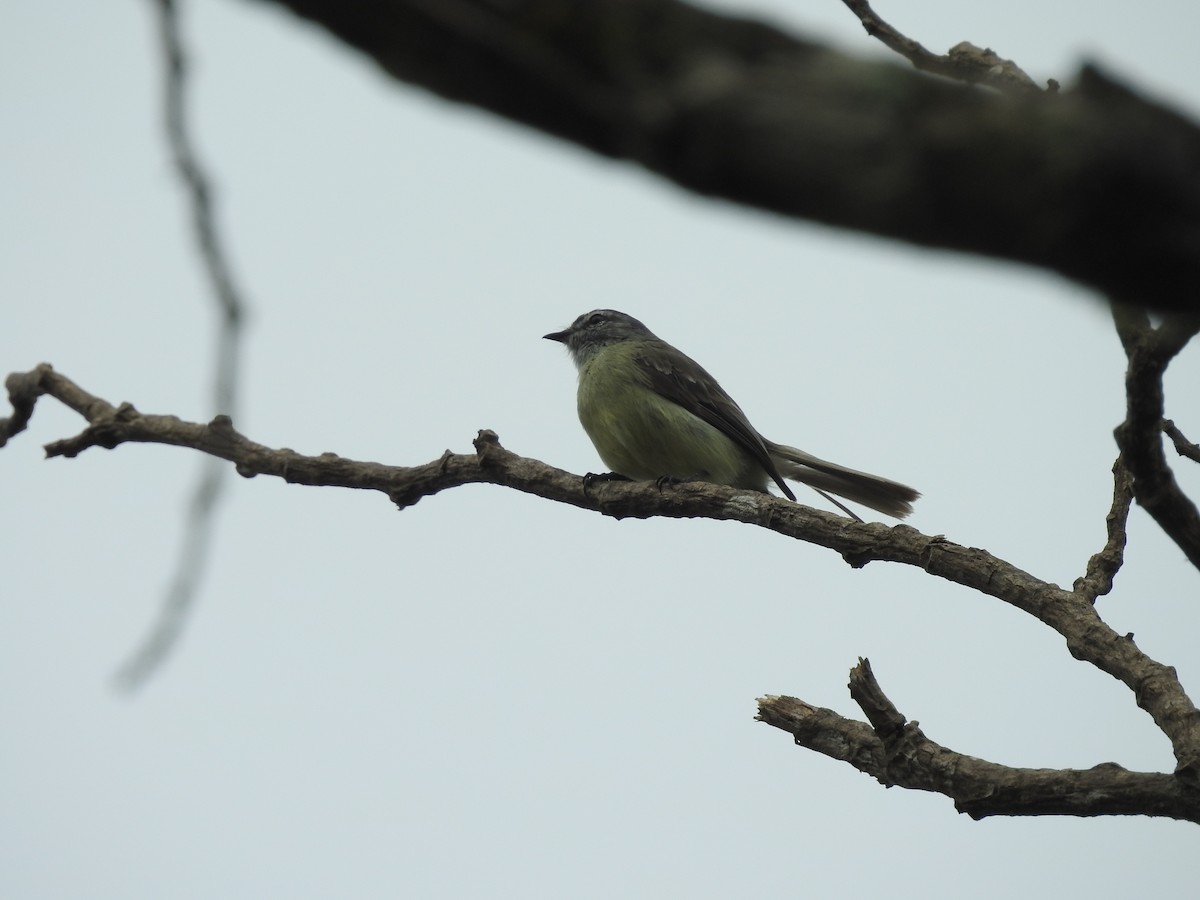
[(663, 480), (592, 478)]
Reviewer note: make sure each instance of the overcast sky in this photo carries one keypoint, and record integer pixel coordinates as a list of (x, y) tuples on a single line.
[(490, 695)]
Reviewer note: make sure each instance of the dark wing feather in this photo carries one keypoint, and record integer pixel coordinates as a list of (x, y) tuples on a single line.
[(682, 380)]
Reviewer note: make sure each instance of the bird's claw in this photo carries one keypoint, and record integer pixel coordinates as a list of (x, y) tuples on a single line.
[(592, 478)]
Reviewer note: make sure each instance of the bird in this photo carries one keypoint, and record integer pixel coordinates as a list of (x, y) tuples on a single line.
[(654, 413)]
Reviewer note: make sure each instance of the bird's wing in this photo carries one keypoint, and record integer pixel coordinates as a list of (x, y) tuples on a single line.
[(683, 381)]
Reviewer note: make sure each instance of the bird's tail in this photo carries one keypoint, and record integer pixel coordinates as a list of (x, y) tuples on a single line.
[(880, 494)]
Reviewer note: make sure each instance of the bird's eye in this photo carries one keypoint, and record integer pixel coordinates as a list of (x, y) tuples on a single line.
[(595, 318)]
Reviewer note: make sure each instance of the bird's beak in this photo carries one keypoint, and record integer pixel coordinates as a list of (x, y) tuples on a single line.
[(560, 336)]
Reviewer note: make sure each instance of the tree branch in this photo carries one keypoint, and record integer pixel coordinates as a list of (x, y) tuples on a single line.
[(1102, 568), (1155, 686), (965, 62), (200, 523), (1095, 183), (897, 753), (1183, 446), (1149, 351)]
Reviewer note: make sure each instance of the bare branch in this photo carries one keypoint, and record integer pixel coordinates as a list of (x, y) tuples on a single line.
[(206, 495), (1183, 446), (23, 392), (886, 721), (964, 62), (198, 187), (1149, 351), (1095, 182), (1102, 568), (897, 753), (1155, 686)]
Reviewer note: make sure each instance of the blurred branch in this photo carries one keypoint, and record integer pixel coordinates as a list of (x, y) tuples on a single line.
[(1094, 182), (206, 495), (1149, 350), (897, 753), (964, 62), (1155, 686)]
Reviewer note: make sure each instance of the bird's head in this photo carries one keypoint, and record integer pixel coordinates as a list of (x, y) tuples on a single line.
[(595, 330)]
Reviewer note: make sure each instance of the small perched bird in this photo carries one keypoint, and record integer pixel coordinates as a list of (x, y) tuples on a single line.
[(654, 413)]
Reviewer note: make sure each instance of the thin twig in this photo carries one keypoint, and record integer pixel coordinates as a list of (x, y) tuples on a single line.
[(1102, 568), (1183, 446), (209, 488), (964, 62)]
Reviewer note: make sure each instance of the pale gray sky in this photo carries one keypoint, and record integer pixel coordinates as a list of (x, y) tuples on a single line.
[(489, 695)]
